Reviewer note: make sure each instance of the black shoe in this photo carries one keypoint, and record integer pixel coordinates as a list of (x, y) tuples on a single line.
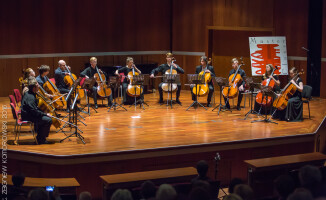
[(238, 108), (227, 106), (96, 106), (209, 105), (161, 101), (178, 101)]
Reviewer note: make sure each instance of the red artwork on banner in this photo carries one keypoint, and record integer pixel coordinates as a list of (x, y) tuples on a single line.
[(266, 54)]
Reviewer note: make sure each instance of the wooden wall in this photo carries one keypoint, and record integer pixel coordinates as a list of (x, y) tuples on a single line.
[(323, 54), (79, 26)]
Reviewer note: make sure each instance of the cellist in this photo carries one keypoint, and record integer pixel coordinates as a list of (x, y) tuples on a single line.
[(59, 75), (29, 72), (90, 72), (30, 112), (235, 64), (125, 70), (163, 68), (208, 69), (275, 79), (43, 70), (293, 111)]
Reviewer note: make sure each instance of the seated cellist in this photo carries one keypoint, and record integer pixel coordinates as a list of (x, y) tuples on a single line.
[(235, 64)]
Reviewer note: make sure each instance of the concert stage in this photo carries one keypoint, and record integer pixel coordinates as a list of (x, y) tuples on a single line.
[(160, 138)]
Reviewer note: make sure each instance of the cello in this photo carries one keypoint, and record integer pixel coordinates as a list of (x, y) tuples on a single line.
[(133, 90), (58, 99), (48, 108), (70, 79), (203, 89), (260, 97), (232, 90), (287, 92), (102, 89), (167, 87)]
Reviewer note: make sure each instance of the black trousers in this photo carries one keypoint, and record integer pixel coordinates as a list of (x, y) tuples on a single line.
[(42, 127), (126, 98), (161, 91), (239, 99), (210, 93)]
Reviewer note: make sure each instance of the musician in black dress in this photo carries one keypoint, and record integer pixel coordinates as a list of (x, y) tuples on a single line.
[(235, 64), (208, 69), (59, 75), (125, 70), (163, 68), (294, 110), (89, 72), (31, 112), (268, 75)]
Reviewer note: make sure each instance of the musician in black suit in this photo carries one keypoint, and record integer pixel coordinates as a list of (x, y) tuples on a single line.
[(59, 75), (31, 112), (89, 72), (163, 68), (235, 64), (208, 69)]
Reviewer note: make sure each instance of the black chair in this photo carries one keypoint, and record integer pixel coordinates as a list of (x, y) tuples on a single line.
[(306, 95)]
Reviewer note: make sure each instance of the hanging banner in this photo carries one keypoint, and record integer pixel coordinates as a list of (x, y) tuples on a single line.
[(268, 50)]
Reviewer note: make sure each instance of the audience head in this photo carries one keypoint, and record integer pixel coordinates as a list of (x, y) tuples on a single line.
[(244, 191), (232, 197), (233, 183), (18, 179), (166, 192), (309, 176), (85, 196), (284, 185), (148, 190), (199, 193), (38, 194), (121, 194), (300, 194), (202, 168)]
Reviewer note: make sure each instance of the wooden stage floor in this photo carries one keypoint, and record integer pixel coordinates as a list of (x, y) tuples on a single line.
[(160, 127)]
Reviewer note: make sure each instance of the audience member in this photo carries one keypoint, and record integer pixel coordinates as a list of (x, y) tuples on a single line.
[(284, 186), (17, 189), (232, 197), (300, 194), (199, 193), (244, 191), (38, 194), (310, 178), (85, 196), (202, 168), (166, 192), (148, 190), (233, 183), (121, 194)]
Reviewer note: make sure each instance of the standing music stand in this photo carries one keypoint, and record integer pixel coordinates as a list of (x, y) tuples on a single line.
[(139, 80), (73, 109), (171, 79), (88, 86), (115, 83), (252, 87), (267, 91), (221, 82), (195, 79)]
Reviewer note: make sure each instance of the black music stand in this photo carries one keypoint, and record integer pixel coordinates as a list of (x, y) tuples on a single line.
[(74, 111), (267, 91), (171, 79), (88, 85), (221, 82), (115, 83), (139, 80), (252, 87), (195, 79)]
